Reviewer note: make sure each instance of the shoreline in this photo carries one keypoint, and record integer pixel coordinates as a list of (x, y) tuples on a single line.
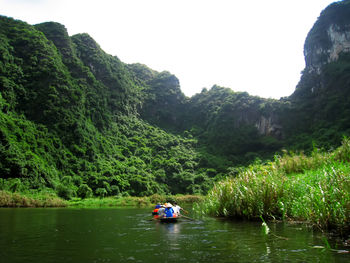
[(23, 200)]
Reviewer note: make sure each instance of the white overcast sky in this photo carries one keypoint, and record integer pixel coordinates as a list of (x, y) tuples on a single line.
[(252, 45)]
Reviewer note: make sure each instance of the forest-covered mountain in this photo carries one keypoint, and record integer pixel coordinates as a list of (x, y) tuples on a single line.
[(81, 122)]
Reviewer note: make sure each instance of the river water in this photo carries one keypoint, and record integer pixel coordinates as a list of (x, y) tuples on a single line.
[(128, 235)]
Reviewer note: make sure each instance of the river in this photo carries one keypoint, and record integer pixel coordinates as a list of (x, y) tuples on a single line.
[(128, 235)]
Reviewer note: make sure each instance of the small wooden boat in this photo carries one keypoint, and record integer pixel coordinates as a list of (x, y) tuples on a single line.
[(168, 219)]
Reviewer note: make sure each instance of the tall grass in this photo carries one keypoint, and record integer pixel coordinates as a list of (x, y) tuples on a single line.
[(8, 199), (50, 199), (321, 196), (313, 188), (133, 200), (110, 202)]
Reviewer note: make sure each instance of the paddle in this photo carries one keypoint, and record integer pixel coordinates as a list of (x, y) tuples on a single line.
[(189, 218), (184, 210)]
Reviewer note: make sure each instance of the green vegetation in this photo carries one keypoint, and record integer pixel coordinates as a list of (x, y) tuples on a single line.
[(8, 199), (230, 127), (69, 121), (313, 188), (79, 124), (49, 199), (133, 200)]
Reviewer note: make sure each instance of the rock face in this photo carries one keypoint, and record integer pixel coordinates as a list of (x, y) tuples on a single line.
[(320, 104), (329, 37), (269, 127), (340, 42), (317, 55)]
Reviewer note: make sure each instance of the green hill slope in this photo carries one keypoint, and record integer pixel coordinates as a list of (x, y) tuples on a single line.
[(69, 121), (78, 121)]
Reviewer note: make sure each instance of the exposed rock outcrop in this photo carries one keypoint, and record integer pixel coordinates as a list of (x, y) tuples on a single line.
[(269, 127), (329, 37)]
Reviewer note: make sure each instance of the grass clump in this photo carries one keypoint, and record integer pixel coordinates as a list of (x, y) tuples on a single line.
[(8, 199), (116, 201), (50, 199), (123, 201), (321, 196), (313, 188)]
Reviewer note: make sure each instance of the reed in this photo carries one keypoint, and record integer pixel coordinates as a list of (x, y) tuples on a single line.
[(50, 199), (134, 201), (109, 202), (291, 162), (313, 188), (321, 197), (8, 199)]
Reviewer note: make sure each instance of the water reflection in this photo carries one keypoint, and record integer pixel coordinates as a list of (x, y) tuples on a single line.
[(171, 229), (127, 235)]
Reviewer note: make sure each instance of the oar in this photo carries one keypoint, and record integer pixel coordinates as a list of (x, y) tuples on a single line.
[(184, 210), (189, 218)]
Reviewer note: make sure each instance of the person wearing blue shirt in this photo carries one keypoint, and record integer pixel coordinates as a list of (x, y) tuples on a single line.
[(169, 211)]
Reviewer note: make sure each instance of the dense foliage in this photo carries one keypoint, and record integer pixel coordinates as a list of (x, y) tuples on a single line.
[(69, 122), (231, 126), (321, 116), (76, 121)]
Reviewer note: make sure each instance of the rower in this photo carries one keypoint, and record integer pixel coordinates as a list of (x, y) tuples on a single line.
[(177, 209)]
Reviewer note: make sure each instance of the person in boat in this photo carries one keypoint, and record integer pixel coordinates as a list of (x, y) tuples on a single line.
[(169, 211), (177, 209), (160, 212), (156, 208)]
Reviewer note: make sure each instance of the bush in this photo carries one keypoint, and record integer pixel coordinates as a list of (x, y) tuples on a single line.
[(101, 192), (16, 185), (115, 190), (64, 192), (84, 191)]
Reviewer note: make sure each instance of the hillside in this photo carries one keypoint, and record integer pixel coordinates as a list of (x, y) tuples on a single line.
[(80, 122), (69, 121)]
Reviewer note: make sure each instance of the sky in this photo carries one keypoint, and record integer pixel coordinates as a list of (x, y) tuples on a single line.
[(254, 46)]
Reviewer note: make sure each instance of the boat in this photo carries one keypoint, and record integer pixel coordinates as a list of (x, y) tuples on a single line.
[(167, 214), (168, 219), (165, 219)]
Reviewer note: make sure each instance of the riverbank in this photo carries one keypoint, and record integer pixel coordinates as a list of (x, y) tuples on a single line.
[(314, 189), (8, 199), (133, 201)]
